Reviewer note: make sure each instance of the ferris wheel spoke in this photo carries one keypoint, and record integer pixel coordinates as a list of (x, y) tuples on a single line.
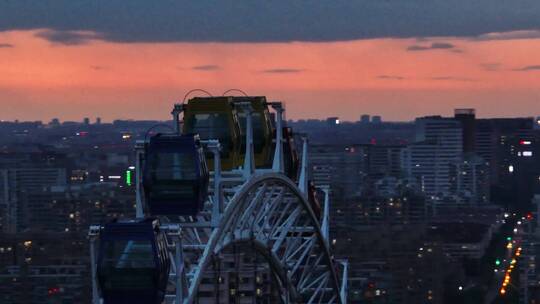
[(301, 254), (247, 218), (309, 272), (284, 229), (267, 207)]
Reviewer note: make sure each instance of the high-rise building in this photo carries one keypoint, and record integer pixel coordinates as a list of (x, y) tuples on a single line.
[(529, 272), (470, 180), (440, 130), (364, 118), (427, 162), (491, 135), (467, 117), (23, 175), (55, 122), (519, 169), (332, 121), (341, 168), (384, 160), (19, 185)]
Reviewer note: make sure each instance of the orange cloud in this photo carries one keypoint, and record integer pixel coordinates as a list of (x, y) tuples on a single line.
[(141, 80)]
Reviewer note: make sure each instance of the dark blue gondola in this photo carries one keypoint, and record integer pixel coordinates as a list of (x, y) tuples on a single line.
[(175, 175), (133, 265)]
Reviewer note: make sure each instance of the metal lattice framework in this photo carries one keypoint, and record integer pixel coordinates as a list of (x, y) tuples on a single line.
[(271, 214), (262, 210)]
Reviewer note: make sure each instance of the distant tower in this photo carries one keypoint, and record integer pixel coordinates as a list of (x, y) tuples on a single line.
[(332, 121), (55, 122), (86, 121), (467, 117), (376, 119), (364, 119), (98, 121)]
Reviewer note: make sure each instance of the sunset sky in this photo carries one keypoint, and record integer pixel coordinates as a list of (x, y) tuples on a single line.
[(121, 61)]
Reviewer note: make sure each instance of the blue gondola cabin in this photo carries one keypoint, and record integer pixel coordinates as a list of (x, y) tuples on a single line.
[(133, 265), (175, 177)]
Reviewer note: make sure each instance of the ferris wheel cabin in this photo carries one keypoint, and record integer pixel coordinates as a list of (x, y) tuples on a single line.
[(216, 118), (175, 175), (262, 129), (133, 264)]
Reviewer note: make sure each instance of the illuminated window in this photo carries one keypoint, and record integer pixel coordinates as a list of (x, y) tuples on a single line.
[(128, 178), (527, 153)]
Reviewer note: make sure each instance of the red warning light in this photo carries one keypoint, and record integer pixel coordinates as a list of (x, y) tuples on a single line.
[(529, 216)]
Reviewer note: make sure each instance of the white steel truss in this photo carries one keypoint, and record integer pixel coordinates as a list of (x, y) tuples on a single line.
[(272, 215)]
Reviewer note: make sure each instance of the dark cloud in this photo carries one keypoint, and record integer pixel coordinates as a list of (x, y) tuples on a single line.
[(453, 78), (433, 46), (417, 48), (442, 45), (282, 71), (6, 45), (390, 77), (525, 34), (68, 37), (493, 66), (267, 21), (208, 67), (529, 68)]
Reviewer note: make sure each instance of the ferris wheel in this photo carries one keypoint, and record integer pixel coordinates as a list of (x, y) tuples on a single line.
[(224, 214)]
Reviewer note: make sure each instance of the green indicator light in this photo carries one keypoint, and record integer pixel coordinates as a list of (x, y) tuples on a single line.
[(128, 178), (509, 238), (497, 262)]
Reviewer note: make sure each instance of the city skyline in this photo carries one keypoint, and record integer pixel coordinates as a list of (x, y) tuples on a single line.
[(366, 151)]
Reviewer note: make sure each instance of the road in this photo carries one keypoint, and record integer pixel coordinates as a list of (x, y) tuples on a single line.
[(494, 290)]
